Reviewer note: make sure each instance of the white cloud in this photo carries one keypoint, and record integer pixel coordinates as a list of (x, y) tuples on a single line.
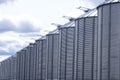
[(38, 16), (23, 27), (13, 42), (3, 57), (16, 19), (5, 1)]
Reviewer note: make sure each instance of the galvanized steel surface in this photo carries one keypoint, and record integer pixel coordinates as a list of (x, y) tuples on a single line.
[(108, 41), (86, 48)]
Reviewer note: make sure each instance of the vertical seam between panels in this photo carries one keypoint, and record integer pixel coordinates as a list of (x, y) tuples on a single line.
[(93, 53), (97, 48), (73, 52), (84, 29), (77, 37), (41, 59), (25, 63), (60, 55), (101, 44), (29, 61), (52, 56), (35, 59), (47, 62), (66, 52), (109, 53)]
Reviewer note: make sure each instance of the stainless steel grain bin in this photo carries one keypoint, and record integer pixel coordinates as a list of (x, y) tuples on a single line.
[(52, 56), (86, 48), (109, 41), (66, 53)]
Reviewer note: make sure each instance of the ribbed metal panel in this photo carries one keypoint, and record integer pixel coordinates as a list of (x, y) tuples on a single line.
[(17, 66), (33, 61), (0, 71), (109, 41), (38, 65), (25, 63), (21, 65), (31, 67), (52, 56), (66, 52), (86, 48), (12, 68), (19, 72), (41, 59), (28, 61), (8, 69), (3, 70)]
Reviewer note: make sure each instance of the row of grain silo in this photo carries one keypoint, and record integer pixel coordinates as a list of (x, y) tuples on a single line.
[(8, 69), (88, 50)]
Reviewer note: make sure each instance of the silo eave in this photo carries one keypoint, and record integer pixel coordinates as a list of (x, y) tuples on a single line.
[(41, 39), (67, 27), (52, 34), (54, 31), (107, 4), (86, 17)]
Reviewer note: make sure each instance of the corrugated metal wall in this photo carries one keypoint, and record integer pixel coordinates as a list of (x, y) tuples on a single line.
[(8, 69), (40, 66), (52, 56), (83, 52), (66, 51), (109, 41), (86, 48), (43, 59), (21, 64), (32, 63)]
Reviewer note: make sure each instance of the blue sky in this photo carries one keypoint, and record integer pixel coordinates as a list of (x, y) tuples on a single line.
[(22, 21)]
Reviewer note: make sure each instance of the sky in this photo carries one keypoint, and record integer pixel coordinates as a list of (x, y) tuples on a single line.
[(23, 21)]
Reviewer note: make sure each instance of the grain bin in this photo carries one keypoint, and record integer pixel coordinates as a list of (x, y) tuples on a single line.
[(52, 56), (109, 41), (17, 66), (38, 67), (33, 60), (86, 48), (41, 59), (23, 63), (20, 65), (27, 65), (66, 53), (12, 67), (0, 71)]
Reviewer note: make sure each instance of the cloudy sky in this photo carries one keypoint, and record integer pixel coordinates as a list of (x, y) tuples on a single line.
[(23, 21)]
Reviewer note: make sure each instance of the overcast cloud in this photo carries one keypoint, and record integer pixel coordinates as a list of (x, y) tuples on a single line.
[(14, 37), (93, 3), (96, 1), (23, 27), (5, 1), (3, 52), (11, 42)]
